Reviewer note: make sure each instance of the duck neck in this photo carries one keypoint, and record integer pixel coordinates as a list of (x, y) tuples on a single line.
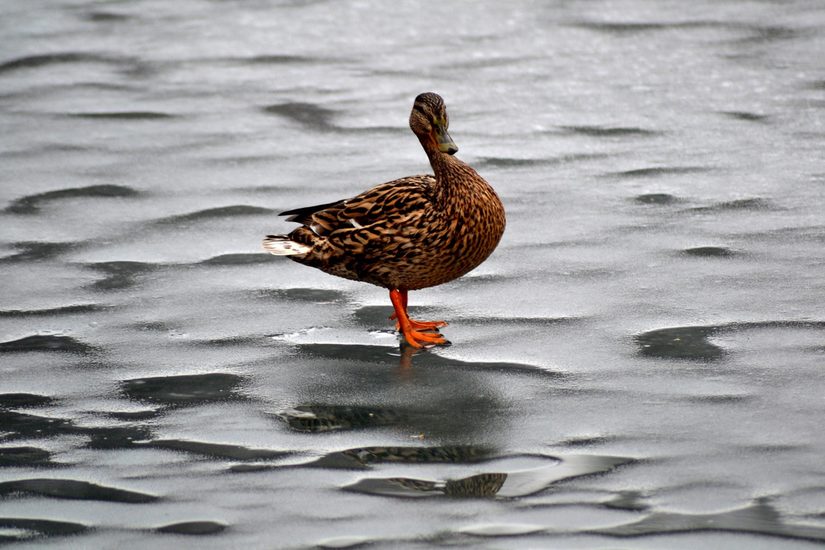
[(447, 170)]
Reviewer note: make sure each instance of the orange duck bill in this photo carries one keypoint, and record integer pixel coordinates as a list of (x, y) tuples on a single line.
[(418, 334)]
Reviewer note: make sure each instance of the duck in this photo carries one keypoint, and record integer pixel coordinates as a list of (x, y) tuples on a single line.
[(407, 234)]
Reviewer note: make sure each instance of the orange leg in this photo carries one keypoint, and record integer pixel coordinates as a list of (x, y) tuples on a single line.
[(411, 333), (417, 325)]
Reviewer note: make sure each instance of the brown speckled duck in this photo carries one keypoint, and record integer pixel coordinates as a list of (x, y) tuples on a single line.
[(406, 234)]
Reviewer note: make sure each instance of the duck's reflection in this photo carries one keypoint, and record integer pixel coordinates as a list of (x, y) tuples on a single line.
[(349, 387), (405, 361), (500, 480), (481, 485)]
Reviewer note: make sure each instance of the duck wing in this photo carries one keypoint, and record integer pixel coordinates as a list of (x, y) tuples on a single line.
[(303, 215), (392, 202)]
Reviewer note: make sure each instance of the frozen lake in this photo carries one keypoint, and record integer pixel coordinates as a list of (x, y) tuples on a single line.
[(639, 364)]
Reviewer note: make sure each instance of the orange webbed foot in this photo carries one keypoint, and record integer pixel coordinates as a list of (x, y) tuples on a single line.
[(418, 334), (418, 339)]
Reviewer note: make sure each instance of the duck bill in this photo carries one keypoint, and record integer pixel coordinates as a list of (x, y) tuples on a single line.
[(445, 142)]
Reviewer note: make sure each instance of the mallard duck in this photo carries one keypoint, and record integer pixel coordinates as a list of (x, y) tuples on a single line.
[(407, 234)]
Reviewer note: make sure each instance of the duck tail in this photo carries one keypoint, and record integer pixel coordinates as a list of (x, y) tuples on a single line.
[(282, 245)]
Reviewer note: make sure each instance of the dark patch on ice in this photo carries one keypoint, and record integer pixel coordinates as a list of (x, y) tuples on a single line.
[(154, 326), (116, 437), (765, 34), (773, 448), (719, 399), (18, 425), (710, 252), (586, 441), (631, 501), (46, 342), (358, 541), (745, 116), (107, 17), (758, 34), (691, 342), (819, 325), (758, 518), (307, 114), (576, 157), (47, 148), (73, 489), (29, 528), (54, 311), (253, 467), (815, 233), (631, 27), (28, 457), (364, 456), (657, 171), (241, 259), (44, 60), (123, 115), (30, 204), (609, 131), (131, 416), (510, 484), (32, 251), (215, 450), (274, 59), (325, 418), (193, 528), (24, 400), (213, 213), (184, 390), (119, 274), (487, 530), (680, 343), (313, 295), (738, 204), (660, 199)]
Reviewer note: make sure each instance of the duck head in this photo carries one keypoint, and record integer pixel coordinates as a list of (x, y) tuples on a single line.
[(429, 121)]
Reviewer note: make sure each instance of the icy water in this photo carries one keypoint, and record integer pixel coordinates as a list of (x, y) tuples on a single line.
[(640, 364)]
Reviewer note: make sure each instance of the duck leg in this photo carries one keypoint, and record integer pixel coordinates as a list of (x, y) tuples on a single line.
[(412, 330), (418, 325)]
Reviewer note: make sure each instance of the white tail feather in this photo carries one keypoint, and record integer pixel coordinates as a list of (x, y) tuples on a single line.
[(280, 245)]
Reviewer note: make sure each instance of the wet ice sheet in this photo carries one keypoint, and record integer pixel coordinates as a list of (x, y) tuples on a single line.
[(638, 363)]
